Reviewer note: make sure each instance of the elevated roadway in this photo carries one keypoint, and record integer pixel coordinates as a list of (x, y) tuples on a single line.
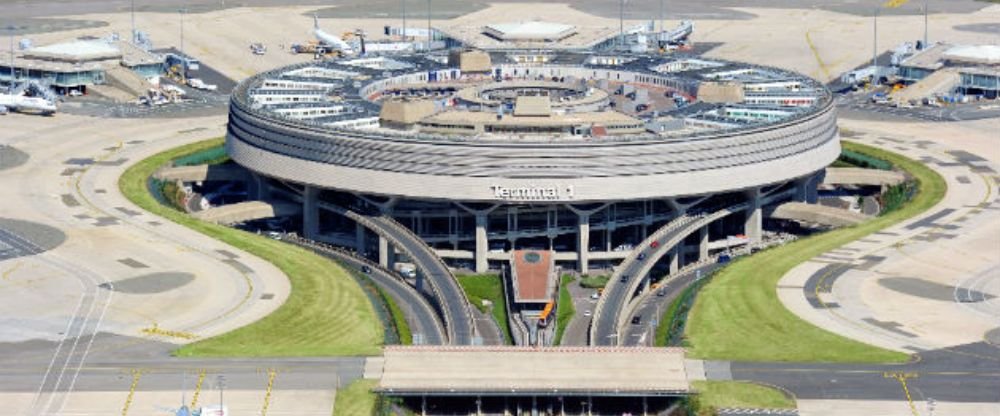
[(608, 314), (531, 371), (450, 297), (424, 323), (203, 173), (247, 211), (817, 214), (861, 176)]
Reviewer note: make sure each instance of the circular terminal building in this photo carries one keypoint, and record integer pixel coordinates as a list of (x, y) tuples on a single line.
[(471, 154)]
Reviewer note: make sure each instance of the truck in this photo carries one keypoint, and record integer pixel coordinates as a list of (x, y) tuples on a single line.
[(407, 270), (198, 84)]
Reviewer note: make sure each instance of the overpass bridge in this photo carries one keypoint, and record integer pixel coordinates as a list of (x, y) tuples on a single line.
[(861, 176), (248, 211), (817, 214), (228, 172)]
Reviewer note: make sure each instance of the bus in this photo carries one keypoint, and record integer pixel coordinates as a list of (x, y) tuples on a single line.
[(546, 315)]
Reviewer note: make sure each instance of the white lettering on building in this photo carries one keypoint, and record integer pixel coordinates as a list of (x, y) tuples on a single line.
[(533, 192)]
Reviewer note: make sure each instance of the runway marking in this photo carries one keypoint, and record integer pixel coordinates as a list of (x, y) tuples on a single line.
[(819, 60), (271, 374), (197, 388), (156, 330), (901, 377), (136, 374)]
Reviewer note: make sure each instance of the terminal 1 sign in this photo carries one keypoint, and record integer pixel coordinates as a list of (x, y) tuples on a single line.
[(533, 192)]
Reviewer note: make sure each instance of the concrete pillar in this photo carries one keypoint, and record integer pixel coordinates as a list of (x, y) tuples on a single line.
[(482, 243), (386, 253), (359, 238), (703, 243), (257, 187), (675, 258), (310, 213), (753, 219), (583, 243)]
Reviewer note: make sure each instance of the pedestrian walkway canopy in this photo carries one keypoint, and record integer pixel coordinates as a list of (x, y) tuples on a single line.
[(527, 371)]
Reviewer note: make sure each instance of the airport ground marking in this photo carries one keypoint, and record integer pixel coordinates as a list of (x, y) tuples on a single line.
[(271, 374), (197, 388), (901, 378), (136, 375)]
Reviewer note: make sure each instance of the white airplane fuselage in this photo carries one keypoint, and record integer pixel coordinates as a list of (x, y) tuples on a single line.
[(24, 104)]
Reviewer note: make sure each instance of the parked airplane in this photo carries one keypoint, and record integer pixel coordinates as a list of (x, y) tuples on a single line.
[(330, 42), (24, 104)]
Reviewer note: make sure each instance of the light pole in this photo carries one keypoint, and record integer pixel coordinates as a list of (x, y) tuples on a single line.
[(221, 380), (661, 15), (429, 37), (403, 3), (181, 11), (621, 24), (133, 22), (10, 85), (925, 24)]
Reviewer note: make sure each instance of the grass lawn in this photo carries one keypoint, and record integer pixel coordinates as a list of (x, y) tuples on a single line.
[(594, 282), (326, 313), (566, 308), (738, 316), (356, 399), (479, 287), (722, 394)]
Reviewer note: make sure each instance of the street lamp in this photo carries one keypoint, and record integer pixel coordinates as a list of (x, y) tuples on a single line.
[(182, 11), (10, 86)]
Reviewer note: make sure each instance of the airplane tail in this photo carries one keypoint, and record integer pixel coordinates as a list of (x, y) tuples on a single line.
[(315, 22)]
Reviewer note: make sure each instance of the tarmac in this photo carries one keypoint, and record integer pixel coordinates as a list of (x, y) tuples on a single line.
[(76, 238)]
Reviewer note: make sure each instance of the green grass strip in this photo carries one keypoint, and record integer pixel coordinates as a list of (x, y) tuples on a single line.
[(714, 395), (356, 399), (479, 287), (326, 313), (566, 308), (398, 319), (594, 282), (738, 315)]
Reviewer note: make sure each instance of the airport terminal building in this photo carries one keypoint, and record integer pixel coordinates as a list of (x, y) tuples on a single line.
[(479, 154)]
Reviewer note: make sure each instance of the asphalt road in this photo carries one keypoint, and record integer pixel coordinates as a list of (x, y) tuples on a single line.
[(619, 289), (450, 297), (169, 373), (967, 373), (652, 305)]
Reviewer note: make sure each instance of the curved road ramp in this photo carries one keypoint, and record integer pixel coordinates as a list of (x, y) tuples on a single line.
[(451, 299), (420, 315), (534, 376), (609, 313)]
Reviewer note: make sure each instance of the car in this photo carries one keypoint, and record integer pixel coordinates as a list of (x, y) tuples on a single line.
[(624, 278), (724, 258), (654, 244), (636, 320), (274, 235), (595, 296), (661, 293), (587, 313), (642, 256), (366, 269)]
